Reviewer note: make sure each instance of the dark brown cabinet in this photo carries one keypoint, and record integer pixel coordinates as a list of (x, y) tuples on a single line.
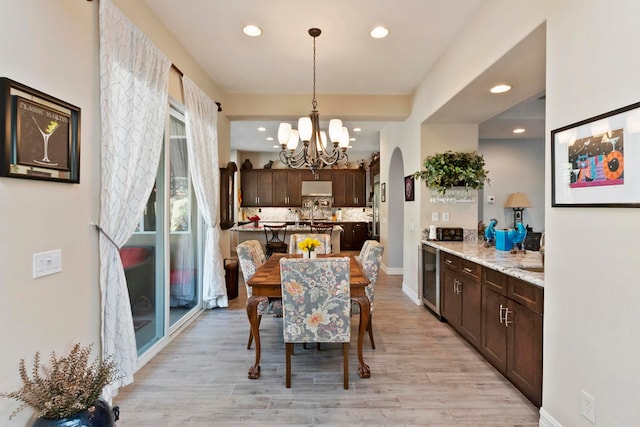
[(462, 297), (287, 184), (227, 198), (282, 187), (500, 315), (512, 331), (349, 187), (257, 187), (354, 235)]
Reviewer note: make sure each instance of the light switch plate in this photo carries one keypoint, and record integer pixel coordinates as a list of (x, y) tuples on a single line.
[(45, 263), (445, 216), (434, 216)]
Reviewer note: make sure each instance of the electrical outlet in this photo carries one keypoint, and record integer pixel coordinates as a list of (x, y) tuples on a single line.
[(588, 406), (45, 263), (434, 216), (445, 216)]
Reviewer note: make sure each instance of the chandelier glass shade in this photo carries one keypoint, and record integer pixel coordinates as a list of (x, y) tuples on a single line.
[(315, 152)]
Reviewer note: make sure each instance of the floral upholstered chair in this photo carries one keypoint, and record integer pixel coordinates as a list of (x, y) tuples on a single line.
[(251, 256), (316, 300), (364, 250), (323, 238), (370, 265)]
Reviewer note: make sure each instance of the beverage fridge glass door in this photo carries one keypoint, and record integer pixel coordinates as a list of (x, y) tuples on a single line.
[(431, 279)]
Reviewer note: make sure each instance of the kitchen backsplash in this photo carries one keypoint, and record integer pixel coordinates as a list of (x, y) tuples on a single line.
[(284, 214)]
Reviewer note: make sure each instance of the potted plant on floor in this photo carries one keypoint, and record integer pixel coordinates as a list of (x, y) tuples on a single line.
[(67, 392), (443, 171)]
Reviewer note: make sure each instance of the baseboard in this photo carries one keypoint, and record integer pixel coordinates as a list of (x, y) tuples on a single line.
[(391, 271), (547, 420), (411, 294)]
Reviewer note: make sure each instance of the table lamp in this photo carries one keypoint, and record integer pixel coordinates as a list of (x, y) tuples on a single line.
[(517, 201)]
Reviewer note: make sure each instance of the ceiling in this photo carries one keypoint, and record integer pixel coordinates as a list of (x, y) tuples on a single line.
[(348, 60)]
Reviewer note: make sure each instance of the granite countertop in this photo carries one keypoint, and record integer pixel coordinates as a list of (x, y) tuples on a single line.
[(290, 228), (503, 261)]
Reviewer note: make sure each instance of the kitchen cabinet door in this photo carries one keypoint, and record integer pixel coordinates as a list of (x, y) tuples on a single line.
[(470, 294), (256, 186), (340, 194), (449, 290), (294, 187), (494, 333), (280, 187), (524, 351)]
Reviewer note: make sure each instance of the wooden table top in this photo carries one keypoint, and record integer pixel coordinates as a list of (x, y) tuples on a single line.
[(267, 276)]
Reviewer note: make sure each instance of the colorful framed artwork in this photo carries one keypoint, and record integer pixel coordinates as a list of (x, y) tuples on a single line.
[(40, 135), (596, 162), (409, 190)]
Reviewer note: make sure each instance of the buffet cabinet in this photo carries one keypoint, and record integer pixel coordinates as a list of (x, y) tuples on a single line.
[(500, 315), (282, 187)]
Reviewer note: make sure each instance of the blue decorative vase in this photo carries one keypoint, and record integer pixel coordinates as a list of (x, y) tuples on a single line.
[(99, 415)]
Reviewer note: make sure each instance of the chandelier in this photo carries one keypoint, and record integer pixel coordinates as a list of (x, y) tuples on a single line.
[(314, 153)]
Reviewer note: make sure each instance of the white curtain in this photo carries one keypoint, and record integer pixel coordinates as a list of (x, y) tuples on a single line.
[(134, 81), (202, 144)]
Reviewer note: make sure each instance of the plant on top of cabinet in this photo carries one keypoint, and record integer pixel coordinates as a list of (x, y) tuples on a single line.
[(443, 171)]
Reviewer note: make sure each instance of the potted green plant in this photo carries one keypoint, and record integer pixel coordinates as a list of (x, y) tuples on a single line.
[(443, 171), (68, 389)]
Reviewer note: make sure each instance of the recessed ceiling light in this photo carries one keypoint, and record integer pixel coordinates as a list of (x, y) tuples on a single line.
[(500, 89), (276, 146), (261, 129), (519, 130), (357, 129), (352, 139), (269, 138), (379, 32), (252, 30)]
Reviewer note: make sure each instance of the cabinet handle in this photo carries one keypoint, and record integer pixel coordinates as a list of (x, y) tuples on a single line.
[(467, 269), (448, 261), (502, 309), (507, 322), (456, 286)]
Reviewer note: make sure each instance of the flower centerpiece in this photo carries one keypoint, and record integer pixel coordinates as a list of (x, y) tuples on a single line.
[(67, 389), (308, 247), (254, 219), (443, 171)]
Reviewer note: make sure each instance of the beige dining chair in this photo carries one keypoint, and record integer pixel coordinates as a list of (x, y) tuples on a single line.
[(250, 257), (315, 311), (324, 239)]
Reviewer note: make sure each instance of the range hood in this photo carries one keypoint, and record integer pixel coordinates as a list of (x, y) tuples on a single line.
[(317, 188)]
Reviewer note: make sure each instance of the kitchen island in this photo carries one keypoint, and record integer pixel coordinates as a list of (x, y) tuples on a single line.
[(251, 232)]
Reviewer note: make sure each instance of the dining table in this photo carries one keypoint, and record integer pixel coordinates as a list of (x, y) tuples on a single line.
[(266, 283)]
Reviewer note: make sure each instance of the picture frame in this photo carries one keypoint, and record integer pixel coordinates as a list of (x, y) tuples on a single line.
[(40, 135), (383, 192), (596, 162), (409, 188)]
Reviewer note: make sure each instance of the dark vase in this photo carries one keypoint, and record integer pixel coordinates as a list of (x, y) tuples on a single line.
[(99, 415)]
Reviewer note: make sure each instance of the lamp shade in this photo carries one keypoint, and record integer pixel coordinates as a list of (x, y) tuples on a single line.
[(335, 130), (517, 200), (344, 140), (284, 131), (305, 128), (292, 144)]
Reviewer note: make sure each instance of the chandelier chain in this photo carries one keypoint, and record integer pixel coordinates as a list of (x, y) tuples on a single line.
[(314, 103)]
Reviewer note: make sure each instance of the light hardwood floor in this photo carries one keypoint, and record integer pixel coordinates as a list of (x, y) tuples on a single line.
[(422, 374)]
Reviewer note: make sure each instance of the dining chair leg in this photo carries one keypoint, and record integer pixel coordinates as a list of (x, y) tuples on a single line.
[(370, 329), (345, 356), (251, 333), (288, 352)]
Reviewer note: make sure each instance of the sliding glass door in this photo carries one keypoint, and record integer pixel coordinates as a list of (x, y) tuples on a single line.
[(162, 258)]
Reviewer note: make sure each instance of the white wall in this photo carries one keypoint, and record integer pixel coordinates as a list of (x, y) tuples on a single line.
[(514, 166), (51, 46), (592, 297), (591, 325)]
